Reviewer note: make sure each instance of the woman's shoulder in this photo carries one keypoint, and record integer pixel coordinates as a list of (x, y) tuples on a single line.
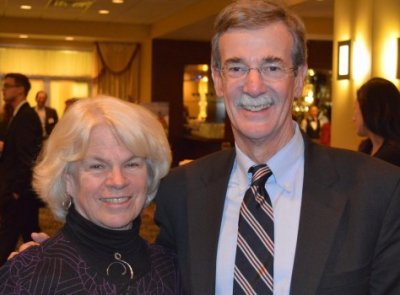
[(390, 152), (164, 268), (53, 247), (29, 265)]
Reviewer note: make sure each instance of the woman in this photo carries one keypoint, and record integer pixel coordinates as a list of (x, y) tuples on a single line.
[(377, 116), (100, 166)]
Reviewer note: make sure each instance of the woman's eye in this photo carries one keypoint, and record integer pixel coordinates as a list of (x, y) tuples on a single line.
[(131, 165), (96, 166)]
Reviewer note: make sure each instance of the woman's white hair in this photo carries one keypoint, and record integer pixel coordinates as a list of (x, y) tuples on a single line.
[(133, 124)]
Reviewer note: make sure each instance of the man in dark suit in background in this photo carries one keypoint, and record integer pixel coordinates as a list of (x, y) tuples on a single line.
[(336, 213), (48, 116), (19, 205), (5, 117)]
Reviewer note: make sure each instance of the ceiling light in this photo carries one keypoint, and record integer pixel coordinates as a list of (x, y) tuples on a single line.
[(103, 11), (69, 38), (25, 7), (118, 1), (23, 36), (80, 4)]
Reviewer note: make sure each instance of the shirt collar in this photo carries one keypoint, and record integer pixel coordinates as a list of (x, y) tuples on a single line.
[(19, 106), (279, 164), (285, 159)]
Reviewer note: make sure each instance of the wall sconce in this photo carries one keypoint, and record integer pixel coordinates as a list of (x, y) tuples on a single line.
[(344, 61)]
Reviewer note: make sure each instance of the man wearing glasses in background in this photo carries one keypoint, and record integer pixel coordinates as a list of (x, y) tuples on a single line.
[(19, 206)]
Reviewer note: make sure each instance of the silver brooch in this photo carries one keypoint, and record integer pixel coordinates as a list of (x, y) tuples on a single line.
[(125, 265)]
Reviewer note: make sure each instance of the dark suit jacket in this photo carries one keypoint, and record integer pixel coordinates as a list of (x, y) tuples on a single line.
[(51, 119), (349, 231), (21, 147)]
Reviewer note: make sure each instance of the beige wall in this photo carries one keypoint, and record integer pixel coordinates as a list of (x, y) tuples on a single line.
[(373, 27), (145, 71)]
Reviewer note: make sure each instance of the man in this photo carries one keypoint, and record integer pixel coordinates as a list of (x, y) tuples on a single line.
[(48, 116), (5, 117), (336, 213), (19, 206), (311, 124)]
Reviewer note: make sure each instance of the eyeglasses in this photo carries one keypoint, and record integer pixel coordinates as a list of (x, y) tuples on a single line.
[(270, 72), (8, 86)]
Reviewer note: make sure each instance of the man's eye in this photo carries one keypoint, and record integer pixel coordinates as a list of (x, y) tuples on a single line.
[(271, 69), (237, 69)]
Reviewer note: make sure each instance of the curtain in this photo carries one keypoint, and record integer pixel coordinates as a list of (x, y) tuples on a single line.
[(119, 70)]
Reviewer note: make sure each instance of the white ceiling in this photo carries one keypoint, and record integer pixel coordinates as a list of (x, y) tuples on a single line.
[(131, 13)]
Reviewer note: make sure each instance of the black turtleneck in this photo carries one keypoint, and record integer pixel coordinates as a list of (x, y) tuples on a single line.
[(99, 246)]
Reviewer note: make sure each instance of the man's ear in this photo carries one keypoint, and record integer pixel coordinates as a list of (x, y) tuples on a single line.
[(299, 80), (217, 78)]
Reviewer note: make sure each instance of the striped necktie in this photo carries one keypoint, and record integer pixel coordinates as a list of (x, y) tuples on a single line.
[(255, 244)]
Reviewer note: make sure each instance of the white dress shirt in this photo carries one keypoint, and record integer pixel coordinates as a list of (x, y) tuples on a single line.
[(285, 190)]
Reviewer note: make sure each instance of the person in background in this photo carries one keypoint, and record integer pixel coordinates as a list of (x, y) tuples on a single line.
[(325, 133), (100, 166), (48, 116), (19, 205), (311, 124), (335, 213), (5, 117), (377, 117)]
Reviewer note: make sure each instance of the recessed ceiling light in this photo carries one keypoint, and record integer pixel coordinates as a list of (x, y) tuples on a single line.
[(118, 1), (25, 7), (103, 11), (23, 36), (69, 38)]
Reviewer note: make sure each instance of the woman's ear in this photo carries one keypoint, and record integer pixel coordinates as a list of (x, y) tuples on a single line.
[(69, 183)]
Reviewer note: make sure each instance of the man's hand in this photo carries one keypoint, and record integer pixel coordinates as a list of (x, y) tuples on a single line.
[(37, 238)]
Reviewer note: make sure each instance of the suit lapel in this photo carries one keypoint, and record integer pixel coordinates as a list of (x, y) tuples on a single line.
[(205, 208), (14, 121), (321, 210)]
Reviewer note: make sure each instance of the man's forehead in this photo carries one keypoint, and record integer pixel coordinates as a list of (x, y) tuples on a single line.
[(269, 37)]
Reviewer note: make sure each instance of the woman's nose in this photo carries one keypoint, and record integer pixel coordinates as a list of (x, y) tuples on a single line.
[(116, 178)]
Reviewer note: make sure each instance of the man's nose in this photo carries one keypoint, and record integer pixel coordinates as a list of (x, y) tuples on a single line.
[(254, 84)]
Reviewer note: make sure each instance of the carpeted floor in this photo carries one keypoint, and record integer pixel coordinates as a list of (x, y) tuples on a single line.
[(148, 230)]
